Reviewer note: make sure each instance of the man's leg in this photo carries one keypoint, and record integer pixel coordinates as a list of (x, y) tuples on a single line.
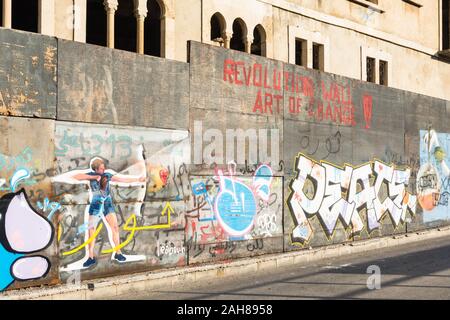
[(93, 222), (112, 221), (92, 244)]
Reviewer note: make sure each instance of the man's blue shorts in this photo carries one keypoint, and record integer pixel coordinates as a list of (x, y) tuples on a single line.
[(96, 206)]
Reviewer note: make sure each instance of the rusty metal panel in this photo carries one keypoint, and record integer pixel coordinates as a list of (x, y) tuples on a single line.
[(28, 74), (26, 195), (102, 85)]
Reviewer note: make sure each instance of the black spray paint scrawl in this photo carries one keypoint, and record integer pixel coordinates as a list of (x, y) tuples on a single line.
[(22, 231)]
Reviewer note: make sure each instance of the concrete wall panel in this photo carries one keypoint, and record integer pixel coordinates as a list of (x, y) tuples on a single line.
[(150, 212), (92, 90), (28, 74), (231, 90)]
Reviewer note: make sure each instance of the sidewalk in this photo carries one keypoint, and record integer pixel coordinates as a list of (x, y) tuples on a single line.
[(169, 278)]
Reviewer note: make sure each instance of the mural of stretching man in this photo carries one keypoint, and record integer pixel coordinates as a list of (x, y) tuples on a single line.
[(101, 205)]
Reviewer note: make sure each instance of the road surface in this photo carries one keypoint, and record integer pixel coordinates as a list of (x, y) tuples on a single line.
[(419, 270)]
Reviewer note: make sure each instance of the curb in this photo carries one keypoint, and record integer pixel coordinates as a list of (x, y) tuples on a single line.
[(170, 278)]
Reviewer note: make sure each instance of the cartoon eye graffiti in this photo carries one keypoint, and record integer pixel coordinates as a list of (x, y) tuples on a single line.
[(22, 231)]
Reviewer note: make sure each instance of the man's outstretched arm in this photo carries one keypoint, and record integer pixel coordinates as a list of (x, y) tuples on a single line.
[(125, 179), (83, 176)]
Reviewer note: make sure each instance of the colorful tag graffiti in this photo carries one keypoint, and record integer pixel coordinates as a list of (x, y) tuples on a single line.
[(235, 204), (433, 178), (333, 193), (228, 208)]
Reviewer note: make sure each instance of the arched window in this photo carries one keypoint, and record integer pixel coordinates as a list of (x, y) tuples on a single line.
[(152, 29), (96, 22), (218, 28), (239, 35), (1, 13), (259, 41), (125, 28), (24, 15)]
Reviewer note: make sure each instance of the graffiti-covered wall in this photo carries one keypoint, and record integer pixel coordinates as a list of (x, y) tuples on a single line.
[(114, 163)]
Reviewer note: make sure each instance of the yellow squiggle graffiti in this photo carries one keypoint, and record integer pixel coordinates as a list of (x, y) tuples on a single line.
[(86, 243), (167, 209), (130, 237)]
